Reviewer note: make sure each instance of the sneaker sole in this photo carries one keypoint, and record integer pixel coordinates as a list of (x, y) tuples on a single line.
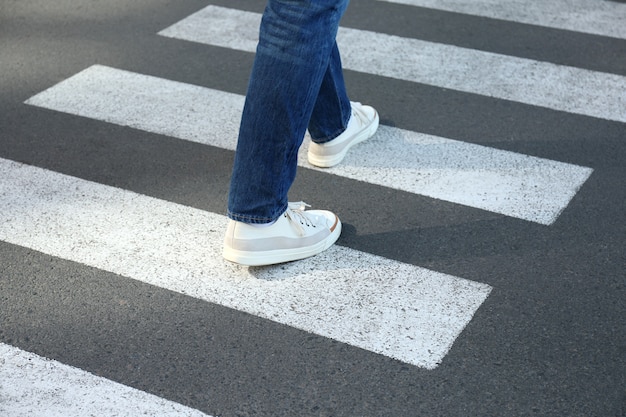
[(328, 162), (272, 257)]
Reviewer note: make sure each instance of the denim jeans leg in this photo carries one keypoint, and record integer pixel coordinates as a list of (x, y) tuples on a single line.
[(296, 42), (332, 110)]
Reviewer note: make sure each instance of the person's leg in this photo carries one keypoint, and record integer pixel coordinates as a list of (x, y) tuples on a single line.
[(295, 45), (337, 124), (296, 42), (332, 109)]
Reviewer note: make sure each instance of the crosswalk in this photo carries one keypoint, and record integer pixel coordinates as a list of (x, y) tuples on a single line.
[(411, 314), (504, 77), (515, 185), (36, 386), (600, 18), (390, 308)]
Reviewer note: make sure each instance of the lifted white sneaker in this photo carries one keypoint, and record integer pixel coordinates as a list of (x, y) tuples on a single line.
[(295, 235), (362, 125)]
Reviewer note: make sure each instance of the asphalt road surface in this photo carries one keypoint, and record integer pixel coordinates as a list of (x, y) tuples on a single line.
[(482, 264)]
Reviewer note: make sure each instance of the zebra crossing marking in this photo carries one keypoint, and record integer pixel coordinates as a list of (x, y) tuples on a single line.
[(398, 310), (557, 87), (515, 185), (22, 385), (604, 18), (31, 385)]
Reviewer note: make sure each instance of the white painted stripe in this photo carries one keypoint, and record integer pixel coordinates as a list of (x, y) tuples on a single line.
[(402, 311), (508, 183), (605, 18), (33, 386), (523, 80)]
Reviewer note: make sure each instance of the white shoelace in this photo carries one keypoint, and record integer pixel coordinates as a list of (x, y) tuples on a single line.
[(295, 213)]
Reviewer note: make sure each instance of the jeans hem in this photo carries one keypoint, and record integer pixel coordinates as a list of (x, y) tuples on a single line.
[(245, 218), (334, 136), (329, 137)]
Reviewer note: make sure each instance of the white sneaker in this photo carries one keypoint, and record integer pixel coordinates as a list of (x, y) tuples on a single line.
[(295, 235), (362, 125)]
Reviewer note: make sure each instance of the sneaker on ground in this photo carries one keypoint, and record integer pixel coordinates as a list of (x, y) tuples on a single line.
[(297, 234), (362, 125)]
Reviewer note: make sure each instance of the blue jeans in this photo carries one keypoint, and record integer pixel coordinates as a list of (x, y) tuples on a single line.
[(296, 83)]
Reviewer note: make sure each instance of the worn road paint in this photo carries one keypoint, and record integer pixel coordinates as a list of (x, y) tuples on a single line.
[(604, 18), (395, 309), (537, 83), (498, 181), (31, 385)]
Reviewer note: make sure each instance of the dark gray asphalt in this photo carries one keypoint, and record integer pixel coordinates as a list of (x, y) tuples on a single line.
[(549, 341)]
